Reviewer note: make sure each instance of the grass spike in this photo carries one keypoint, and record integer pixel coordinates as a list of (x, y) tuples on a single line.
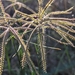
[(2, 50)]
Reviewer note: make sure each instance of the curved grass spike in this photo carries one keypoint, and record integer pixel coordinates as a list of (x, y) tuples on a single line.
[(20, 40), (42, 41), (42, 38), (23, 61), (40, 2), (2, 49), (20, 5), (1, 55), (46, 6), (3, 10)]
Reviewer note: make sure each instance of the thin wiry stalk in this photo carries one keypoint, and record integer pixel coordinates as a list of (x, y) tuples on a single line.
[(55, 39), (32, 34), (26, 30), (24, 14)]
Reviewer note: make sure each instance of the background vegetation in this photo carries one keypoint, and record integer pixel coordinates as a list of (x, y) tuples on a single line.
[(37, 37)]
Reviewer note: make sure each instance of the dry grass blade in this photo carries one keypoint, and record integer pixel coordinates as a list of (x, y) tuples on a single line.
[(52, 48), (17, 50)]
